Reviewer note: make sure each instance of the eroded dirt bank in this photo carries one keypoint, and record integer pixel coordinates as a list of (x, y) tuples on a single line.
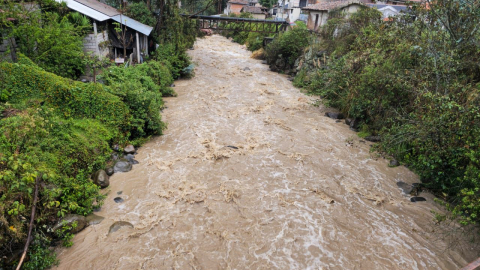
[(249, 175)]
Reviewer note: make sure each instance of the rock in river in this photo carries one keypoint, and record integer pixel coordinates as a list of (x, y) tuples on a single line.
[(118, 225), (417, 199), (394, 163), (100, 178), (129, 149), (334, 115), (131, 159), (68, 220), (93, 219), (109, 171), (122, 165)]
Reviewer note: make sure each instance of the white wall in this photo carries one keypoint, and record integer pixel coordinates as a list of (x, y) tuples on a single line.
[(89, 44)]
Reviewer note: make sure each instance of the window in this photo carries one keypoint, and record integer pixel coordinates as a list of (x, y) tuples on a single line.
[(303, 3)]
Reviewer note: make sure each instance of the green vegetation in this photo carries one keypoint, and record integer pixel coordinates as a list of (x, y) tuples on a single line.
[(242, 35), (64, 129), (52, 41), (288, 46), (415, 81)]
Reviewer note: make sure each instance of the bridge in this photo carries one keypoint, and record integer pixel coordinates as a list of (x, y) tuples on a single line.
[(241, 24)]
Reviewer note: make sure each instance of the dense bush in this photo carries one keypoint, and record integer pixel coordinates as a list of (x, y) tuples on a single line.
[(288, 46), (35, 140), (141, 88), (417, 85), (176, 60), (51, 41), (70, 98)]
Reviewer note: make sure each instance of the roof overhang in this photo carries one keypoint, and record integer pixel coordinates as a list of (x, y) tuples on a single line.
[(87, 11), (131, 23)]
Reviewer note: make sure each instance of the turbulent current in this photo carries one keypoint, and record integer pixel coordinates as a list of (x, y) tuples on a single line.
[(250, 175)]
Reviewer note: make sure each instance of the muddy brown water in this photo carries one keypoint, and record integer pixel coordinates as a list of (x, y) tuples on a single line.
[(250, 175)]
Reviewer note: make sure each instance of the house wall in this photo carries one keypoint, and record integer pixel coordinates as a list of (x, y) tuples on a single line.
[(259, 16), (351, 9), (295, 14), (388, 12), (234, 8), (89, 44), (323, 16), (322, 19)]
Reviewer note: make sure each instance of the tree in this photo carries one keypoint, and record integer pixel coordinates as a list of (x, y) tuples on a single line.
[(121, 33)]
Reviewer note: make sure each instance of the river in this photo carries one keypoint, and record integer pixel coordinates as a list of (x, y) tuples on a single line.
[(250, 175)]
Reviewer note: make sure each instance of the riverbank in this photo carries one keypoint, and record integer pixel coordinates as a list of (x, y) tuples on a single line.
[(249, 175)]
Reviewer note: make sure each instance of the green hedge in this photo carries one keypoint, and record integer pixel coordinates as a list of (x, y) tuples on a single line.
[(70, 98)]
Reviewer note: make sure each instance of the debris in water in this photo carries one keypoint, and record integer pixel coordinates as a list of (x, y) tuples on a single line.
[(245, 69), (118, 200), (417, 199), (231, 146), (119, 192)]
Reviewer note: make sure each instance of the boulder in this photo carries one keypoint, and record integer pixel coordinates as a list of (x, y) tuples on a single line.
[(334, 115), (109, 171), (93, 219), (280, 63), (406, 188), (68, 220), (129, 149), (100, 178), (115, 147), (131, 159), (417, 199), (122, 165), (354, 124), (118, 225), (373, 138), (394, 163), (114, 156)]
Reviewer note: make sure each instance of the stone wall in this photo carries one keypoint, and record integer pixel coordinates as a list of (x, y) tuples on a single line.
[(5, 49), (89, 44)]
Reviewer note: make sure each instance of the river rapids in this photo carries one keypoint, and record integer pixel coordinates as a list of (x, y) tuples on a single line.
[(250, 175)]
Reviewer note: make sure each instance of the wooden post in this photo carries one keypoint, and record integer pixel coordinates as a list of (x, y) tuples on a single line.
[(97, 51), (138, 48), (146, 44)]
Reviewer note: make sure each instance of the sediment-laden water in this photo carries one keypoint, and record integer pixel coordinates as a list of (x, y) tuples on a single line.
[(250, 175)]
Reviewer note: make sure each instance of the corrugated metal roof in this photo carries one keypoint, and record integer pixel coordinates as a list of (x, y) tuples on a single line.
[(87, 11), (100, 7), (131, 23), (101, 12)]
